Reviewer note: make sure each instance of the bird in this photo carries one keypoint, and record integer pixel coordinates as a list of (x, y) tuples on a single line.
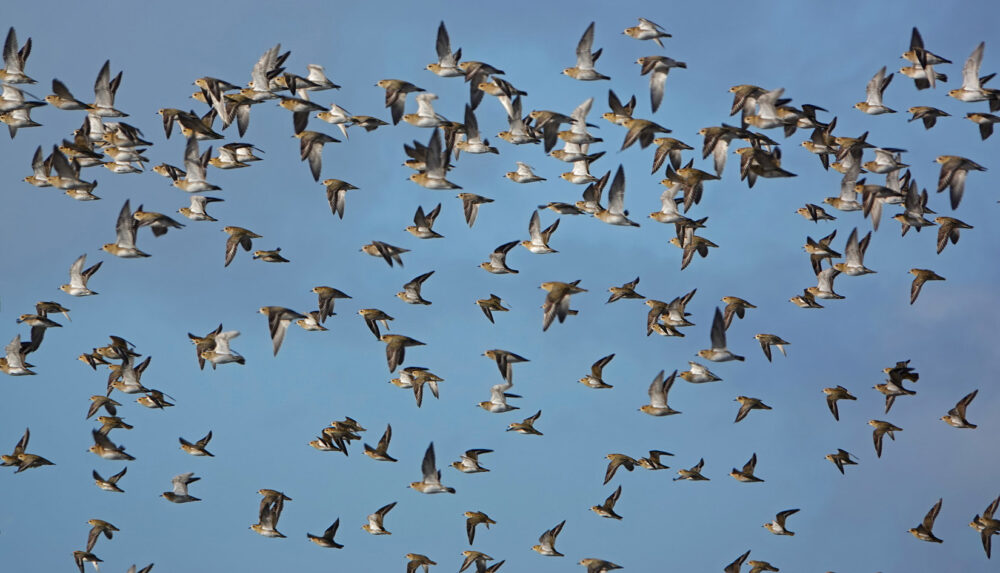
[(14, 59), (519, 132), (658, 68), (336, 194), (447, 64), (949, 229), (491, 305), (526, 426), (585, 59), (647, 30), (104, 447), (125, 230), (19, 448), (203, 343), (854, 255), (746, 474), (777, 526), (718, 352), (747, 404), (62, 98), (820, 250), (594, 565), (627, 290), (238, 236), (473, 519), (475, 143), (653, 461), (523, 174), (469, 461), (196, 210), (642, 130), (498, 260), (311, 322), (389, 253), (768, 340), (972, 89), (616, 461), (735, 306), (423, 223), (873, 94), (311, 148), (923, 531), (619, 111), (104, 93), (327, 298), (375, 520), (221, 353), (99, 526), (474, 557), (658, 391), (824, 286), (668, 147), (425, 116), (195, 165), (411, 290), (270, 512), (547, 541), (954, 169), (416, 561), (373, 317), (273, 256), (326, 540), (956, 416), (180, 492), (881, 429), (594, 379), (920, 277), (616, 214), (834, 394), (27, 461), (758, 566), (987, 525), (815, 213), (539, 241), (13, 363), (381, 451), (395, 348), (470, 206), (154, 399), (435, 166), (278, 319), (431, 482), (734, 567), (840, 459), (692, 474), (556, 303), (498, 399), (924, 62), (197, 448), (110, 484), (607, 509), (81, 557), (395, 96), (927, 115), (698, 374)]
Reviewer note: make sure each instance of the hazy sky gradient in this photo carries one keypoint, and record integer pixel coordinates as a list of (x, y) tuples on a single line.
[(264, 414)]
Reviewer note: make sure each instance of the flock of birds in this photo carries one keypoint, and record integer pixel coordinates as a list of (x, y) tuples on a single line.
[(106, 139)]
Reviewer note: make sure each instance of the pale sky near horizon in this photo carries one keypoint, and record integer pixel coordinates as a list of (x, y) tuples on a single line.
[(264, 414)]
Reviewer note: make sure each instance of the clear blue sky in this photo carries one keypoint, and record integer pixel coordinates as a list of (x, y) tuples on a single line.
[(264, 414)]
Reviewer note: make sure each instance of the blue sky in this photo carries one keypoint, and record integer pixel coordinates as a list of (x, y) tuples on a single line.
[(264, 414)]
